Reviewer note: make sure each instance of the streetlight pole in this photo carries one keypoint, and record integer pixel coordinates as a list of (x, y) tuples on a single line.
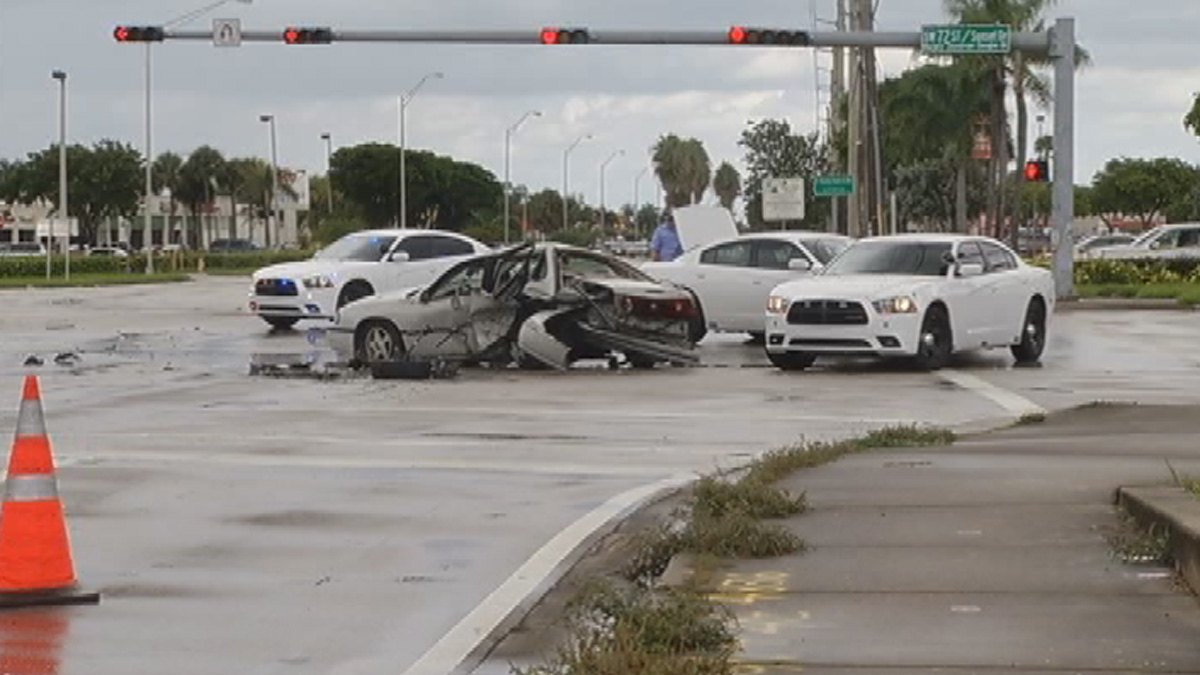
[(148, 244), (273, 216), (63, 211), (404, 101), (508, 134), (328, 138), (603, 167), (566, 176)]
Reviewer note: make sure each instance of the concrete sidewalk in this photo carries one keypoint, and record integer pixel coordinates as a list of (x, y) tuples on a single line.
[(987, 555)]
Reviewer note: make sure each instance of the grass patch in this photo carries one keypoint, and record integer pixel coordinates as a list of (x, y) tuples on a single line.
[(1189, 483), (619, 631), (1141, 546), (231, 273), (81, 280), (634, 624), (1186, 293)]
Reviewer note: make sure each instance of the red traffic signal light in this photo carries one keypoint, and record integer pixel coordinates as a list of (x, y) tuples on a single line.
[(565, 36), (740, 35), (308, 36), (138, 34), (1037, 171)]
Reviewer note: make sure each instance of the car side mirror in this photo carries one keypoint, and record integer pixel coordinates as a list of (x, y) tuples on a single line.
[(399, 256), (968, 270), (800, 265)]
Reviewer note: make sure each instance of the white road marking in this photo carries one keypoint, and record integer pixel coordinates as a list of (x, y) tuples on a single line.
[(531, 581), (1010, 401)]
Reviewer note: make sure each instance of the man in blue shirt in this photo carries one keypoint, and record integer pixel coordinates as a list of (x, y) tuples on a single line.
[(665, 245)]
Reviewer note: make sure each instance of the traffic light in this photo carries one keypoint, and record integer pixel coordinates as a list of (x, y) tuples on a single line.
[(138, 34), (740, 35), (308, 36), (1037, 171), (565, 36)]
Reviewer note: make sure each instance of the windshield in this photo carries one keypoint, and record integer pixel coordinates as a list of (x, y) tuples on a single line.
[(826, 249), (926, 259), (357, 247), (1148, 237), (582, 265)]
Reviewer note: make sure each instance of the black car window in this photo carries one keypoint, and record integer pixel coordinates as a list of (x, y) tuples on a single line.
[(444, 247), (1189, 238), (969, 254), (773, 254), (998, 260), (419, 246), (734, 254)]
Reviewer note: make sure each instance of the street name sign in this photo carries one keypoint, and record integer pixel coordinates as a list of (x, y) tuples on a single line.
[(966, 39), (833, 186)]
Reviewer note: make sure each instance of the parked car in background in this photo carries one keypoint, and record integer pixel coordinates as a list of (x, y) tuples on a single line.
[(233, 245), (732, 277), (107, 251), (921, 296), (1181, 240), (356, 266), (540, 305), (22, 248), (1088, 245)]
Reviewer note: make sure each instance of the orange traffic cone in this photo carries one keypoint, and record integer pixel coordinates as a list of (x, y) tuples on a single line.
[(35, 552)]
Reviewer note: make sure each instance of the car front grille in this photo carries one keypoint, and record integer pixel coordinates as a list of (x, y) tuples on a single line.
[(827, 313), (276, 287)]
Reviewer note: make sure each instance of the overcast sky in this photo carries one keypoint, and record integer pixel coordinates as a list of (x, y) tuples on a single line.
[(1131, 102)]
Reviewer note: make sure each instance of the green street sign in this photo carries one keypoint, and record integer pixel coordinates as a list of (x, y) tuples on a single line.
[(833, 186), (966, 39)]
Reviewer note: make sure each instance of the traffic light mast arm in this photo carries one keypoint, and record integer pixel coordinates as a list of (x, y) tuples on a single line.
[(1038, 42)]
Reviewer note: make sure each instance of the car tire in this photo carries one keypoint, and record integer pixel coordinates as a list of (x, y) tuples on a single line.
[(1033, 334), (791, 361), (355, 290), (378, 341), (280, 323), (936, 340)]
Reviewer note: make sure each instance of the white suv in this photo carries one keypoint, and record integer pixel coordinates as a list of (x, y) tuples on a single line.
[(1181, 240), (353, 267)]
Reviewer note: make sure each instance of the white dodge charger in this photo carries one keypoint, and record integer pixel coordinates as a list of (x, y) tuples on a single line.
[(922, 296)]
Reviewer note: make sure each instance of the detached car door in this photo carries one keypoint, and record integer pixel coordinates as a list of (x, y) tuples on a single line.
[(442, 325)]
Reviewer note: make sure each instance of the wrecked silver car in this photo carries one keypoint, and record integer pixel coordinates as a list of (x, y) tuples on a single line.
[(535, 305)]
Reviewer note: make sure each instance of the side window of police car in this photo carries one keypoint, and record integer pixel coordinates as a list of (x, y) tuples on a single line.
[(733, 254), (998, 260)]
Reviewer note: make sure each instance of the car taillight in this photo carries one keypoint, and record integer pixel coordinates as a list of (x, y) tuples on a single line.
[(652, 308)]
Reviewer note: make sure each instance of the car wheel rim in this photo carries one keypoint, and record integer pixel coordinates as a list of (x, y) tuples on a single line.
[(379, 344), (1034, 330), (933, 339)]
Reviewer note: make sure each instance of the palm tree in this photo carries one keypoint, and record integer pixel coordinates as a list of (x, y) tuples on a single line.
[(165, 174), (727, 184), (683, 169), (249, 181), (1192, 121), (929, 115), (1021, 15), (199, 180)]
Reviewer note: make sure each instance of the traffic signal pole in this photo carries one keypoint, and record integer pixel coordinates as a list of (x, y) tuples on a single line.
[(1058, 43)]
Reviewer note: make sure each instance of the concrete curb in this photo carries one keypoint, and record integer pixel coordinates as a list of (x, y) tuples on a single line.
[(467, 645), (1177, 510), (1122, 304)]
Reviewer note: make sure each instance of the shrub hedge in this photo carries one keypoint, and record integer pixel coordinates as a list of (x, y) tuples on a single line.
[(187, 261)]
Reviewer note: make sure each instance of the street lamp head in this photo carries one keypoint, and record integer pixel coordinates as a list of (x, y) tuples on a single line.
[(536, 113), (438, 75), (59, 75), (265, 118), (326, 136)]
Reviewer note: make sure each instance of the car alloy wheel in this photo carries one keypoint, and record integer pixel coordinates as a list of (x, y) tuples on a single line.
[(380, 343)]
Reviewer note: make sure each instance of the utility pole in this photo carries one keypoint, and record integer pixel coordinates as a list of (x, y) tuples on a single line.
[(854, 127), (837, 95)]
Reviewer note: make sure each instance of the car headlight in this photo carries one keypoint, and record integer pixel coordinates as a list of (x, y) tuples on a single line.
[(318, 281), (901, 304), (777, 304)]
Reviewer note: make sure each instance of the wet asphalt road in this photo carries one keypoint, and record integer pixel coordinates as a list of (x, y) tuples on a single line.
[(261, 525)]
